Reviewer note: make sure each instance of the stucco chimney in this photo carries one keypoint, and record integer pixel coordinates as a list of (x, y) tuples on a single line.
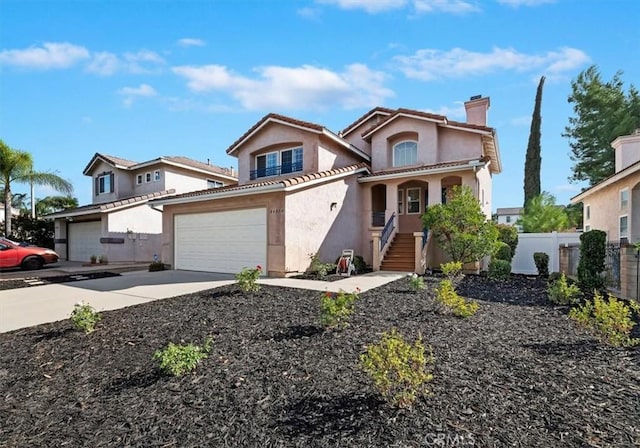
[(477, 110), (627, 148)]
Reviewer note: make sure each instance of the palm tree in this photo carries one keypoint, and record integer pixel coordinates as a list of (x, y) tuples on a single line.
[(52, 204), (17, 167)]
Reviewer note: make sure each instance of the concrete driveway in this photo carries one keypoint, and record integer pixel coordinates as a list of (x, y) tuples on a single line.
[(25, 307)]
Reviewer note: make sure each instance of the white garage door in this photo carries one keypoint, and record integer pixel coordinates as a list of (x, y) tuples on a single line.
[(221, 241), (84, 240)]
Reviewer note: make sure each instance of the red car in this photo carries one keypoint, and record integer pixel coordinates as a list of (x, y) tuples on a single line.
[(14, 255)]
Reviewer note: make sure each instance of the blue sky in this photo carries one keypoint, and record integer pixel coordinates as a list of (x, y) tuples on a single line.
[(139, 78)]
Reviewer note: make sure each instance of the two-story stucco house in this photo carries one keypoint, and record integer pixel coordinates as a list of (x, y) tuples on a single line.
[(613, 205), (119, 225), (509, 216), (303, 189)]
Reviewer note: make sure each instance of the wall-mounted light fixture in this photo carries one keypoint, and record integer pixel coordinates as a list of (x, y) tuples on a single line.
[(333, 205)]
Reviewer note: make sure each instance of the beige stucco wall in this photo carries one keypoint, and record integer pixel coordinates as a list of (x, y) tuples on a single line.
[(458, 145), (605, 211), (404, 129), (313, 226), (274, 203), (485, 190), (122, 187), (627, 150)]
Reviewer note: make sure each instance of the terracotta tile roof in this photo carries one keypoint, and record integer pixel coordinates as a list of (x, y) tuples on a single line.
[(286, 182), (358, 121), (509, 211), (109, 159), (97, 208), (272, 116), (412, 169)]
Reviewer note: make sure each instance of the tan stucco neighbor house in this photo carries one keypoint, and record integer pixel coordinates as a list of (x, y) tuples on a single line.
[(118, 224), (613, 205), (303, 190)]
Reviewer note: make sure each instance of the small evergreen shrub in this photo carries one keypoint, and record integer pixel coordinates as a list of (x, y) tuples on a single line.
[(499, 270), (400, 370), (541, 259), (93, 259), (610, 320), (452, 270), (554, 277), (335, 310), (359, 263), (562, 292), (417, 282), (446, 295), (509, 235), (248, 279), (156, 266), (592, 258), (85, 317), (503, 252), (177, 359), (103, 259)]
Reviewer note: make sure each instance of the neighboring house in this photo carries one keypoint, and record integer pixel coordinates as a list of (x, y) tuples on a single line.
[(509, 216), (119, 224), (303, 190), (14, 212), (613, 205)]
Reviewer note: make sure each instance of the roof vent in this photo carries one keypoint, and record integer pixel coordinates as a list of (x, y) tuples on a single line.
[(475, 97)]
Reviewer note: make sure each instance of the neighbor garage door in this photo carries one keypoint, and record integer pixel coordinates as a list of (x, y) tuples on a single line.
[(221, 241), (84, 240)]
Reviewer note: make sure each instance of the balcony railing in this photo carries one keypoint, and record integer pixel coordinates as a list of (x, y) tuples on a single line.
[(275, 170)]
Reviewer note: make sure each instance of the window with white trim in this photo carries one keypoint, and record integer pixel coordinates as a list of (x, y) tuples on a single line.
[(624, 199), (278, 162), (104, 183), (624, 227), (400, 201), (587, 228), (138, 179), (413, 201), (508, 219), (587, 212), (156, 175), (147, 177), (405, 153), (214, 183)]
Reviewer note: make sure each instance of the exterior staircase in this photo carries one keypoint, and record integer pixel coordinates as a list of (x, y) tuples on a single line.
[(401, 254)]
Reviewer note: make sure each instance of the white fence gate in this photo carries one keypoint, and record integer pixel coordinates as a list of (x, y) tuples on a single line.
[(528, 243)]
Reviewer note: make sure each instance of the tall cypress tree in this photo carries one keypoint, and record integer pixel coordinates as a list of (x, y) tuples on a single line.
[(533, 160)]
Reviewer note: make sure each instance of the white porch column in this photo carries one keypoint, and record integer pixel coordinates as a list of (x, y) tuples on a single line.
[(392, 201), (376, 251), (435, 191)]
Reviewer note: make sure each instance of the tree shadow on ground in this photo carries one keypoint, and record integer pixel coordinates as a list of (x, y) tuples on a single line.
[(297, 332), (137, 380), (315, 416)]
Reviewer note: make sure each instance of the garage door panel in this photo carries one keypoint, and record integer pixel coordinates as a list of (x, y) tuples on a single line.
[(221, 241), (84, 240)]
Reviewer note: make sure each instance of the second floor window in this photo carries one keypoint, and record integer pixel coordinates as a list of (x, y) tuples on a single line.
[(156, 175), (214, 183), (405, 153), (624, 199), (276, 163), (138, 179), (104, 183)]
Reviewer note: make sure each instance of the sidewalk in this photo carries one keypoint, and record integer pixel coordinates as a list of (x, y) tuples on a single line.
[(25, 307)]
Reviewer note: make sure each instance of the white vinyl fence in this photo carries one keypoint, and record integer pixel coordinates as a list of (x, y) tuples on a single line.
[(528, 243)]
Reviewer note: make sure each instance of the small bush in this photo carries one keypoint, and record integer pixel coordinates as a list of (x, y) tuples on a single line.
[(359, 263), (452, 270), (509, 235), (177, 359), (103, 259), (417, 282), (399, 370), (562, 292), (93, 259), (541, 259), (156, 266), (592, 257), (85, 317), (503, 252), (554, 277), (447, 296), (248, 279), (499, 270), (609, 319), (335, 310)]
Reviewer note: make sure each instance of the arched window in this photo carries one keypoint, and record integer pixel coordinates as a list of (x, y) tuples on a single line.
[(405, 153)]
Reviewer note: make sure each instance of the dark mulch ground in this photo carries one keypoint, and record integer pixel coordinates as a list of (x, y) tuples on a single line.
[(30, 281), (516, 374)]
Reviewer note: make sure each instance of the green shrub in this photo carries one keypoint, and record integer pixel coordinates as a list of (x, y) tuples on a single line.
[(509, 235), (320, 269), (93, 259), (103, 259), (541, 259), (248, 279), (156, 266), (562, 292), (452, 270), (400, 371), (499, 270), (359, 263), (447, 296), (554, 277), (85, 317), (177, 359), (335, 310), (503, 252), (609, 319), (592, 257), (417, 282)]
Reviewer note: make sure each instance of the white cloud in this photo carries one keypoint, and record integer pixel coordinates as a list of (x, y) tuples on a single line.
[(305, 87), (447, 6), (431, 64), (458, 111), (309, 13), (50, 56), (142, 62), (420, 6), (518, 3), (191, 42), (370, 6), (130, 93)]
